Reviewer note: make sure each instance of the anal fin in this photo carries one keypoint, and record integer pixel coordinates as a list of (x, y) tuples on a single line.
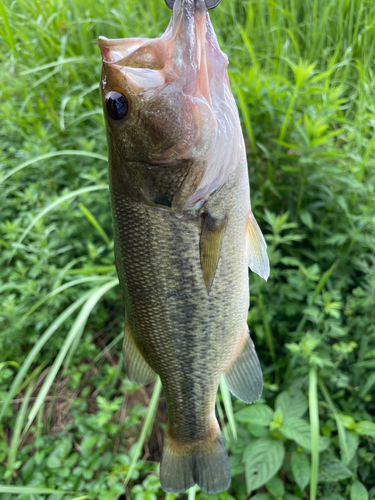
[(136, 366), (257, 248), (210, 245), (244, 377)]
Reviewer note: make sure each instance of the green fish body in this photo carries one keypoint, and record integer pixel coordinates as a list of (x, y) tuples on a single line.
[(184, 234)]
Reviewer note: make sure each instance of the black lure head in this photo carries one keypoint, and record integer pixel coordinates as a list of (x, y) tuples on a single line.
[(210, 4)]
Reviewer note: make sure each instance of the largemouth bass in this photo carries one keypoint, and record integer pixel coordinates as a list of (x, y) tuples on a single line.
[(184, 233)]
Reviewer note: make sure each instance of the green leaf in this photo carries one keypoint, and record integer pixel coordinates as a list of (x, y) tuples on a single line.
[(299, 431), (301, 469), (263, 458), (88, 444), (358, 492), (275, 486), (262, 496), (53, 461), (306, 218), (332, 496), (292, 403), (352, 444), (347, 421), (332, 470), (366, 428), (257, 414)]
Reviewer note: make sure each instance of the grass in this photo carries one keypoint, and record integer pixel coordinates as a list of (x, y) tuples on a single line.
[(302, 74)]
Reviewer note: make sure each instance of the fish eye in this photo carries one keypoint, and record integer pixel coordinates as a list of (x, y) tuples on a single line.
[(117, 105)]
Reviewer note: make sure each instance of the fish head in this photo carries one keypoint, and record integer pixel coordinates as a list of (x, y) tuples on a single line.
[(168, 108)]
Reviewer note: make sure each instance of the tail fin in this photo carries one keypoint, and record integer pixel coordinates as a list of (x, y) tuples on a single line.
[(203, 462)]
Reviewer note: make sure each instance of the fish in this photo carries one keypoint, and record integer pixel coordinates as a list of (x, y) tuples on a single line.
[(184, 233)]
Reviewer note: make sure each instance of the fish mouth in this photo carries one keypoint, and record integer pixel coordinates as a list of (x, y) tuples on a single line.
[(115, 49), (143, 53)]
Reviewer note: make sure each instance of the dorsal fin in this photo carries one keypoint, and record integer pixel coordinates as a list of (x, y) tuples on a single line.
[(257, 248), (210, 245)]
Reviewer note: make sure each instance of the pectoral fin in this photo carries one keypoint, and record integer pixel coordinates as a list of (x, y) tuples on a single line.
[(257, 248), (136, 367), (210, 246), (244, 377)]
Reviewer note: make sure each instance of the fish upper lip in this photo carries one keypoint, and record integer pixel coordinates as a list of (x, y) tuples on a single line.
[(103, 41)]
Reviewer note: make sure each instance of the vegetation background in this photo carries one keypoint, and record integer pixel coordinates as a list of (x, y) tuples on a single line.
[(71, 424)]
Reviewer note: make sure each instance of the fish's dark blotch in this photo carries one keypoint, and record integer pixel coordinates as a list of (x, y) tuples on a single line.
[(163, 201)]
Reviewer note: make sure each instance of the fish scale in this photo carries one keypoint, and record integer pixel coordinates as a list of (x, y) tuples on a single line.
[(167, 295), (184, 234)]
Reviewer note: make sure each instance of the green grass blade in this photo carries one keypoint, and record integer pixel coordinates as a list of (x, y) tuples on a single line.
[(8, 30), (269, 336), (323, 280), (149, 420), (36, 349), (53, 205), (221, 419), (340, 428), (60, 289), (115, 341), (245, 115), (370, 382), (35, 373), (318, 289), (26, 490), (66, 152), (77, 327), (95, 223), (248, 45), (12, 454), (65, 270), (92, 270), (227, 401), (191, 492), (68, 60), (314, 425)]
